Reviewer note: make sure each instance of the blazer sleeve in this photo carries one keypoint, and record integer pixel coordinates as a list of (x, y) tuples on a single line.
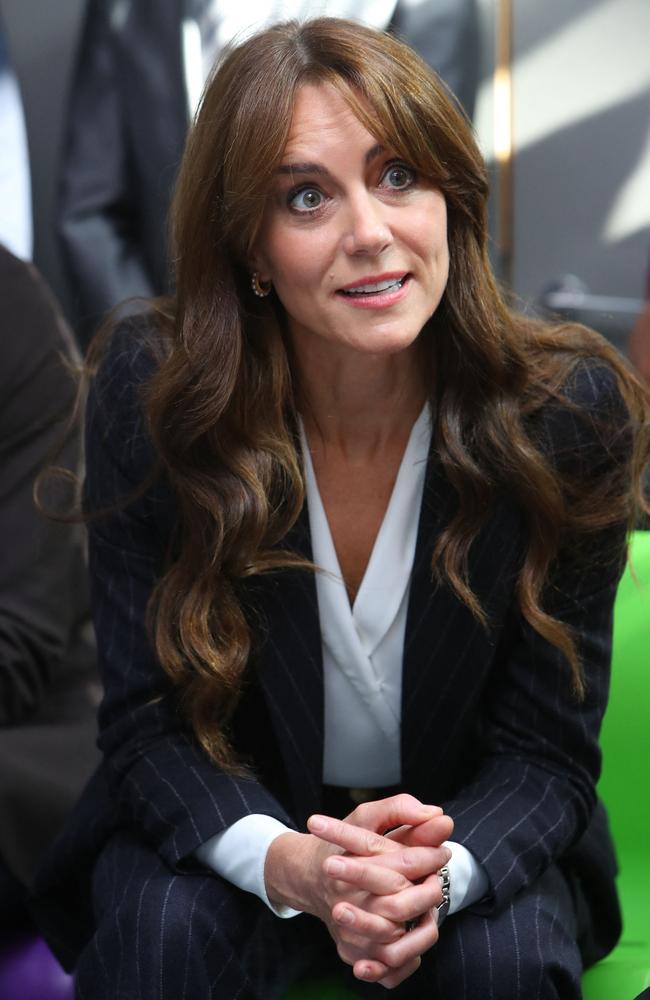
[(98, 211), (163, 784), (534, 792)]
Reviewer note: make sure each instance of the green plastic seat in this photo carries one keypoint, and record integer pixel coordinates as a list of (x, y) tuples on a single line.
[(319, 989), (625, 782), (624, 787)]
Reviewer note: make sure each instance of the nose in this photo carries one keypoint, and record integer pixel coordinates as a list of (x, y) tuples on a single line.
[(367, 231)]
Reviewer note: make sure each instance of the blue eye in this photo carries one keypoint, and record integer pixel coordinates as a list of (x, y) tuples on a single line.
[(307, 199), (399, 176)]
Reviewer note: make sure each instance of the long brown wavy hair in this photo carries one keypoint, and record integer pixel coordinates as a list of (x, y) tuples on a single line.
[(221, 406)]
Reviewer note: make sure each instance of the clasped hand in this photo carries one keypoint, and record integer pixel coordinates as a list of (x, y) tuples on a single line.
[(367, 885)]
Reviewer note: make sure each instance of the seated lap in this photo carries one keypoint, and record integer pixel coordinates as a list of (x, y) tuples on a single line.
[(167, 935)]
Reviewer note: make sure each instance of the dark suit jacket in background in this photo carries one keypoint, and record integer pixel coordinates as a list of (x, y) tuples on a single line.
[(47, 655), (490, 728), (126, 129)]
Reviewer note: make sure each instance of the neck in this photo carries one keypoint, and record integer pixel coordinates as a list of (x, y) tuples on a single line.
[(359, 404)]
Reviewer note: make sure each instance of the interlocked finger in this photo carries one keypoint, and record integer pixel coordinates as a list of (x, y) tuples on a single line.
[(411, 945), (411, 903), (354, 839), (412, 863), (397, 976), (359, 927), (373, 878)]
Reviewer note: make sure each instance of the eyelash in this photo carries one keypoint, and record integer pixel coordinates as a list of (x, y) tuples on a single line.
[(303, 188)]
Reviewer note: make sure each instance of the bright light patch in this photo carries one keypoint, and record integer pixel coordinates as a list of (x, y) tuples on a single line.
[(594, 63), (631, 210)]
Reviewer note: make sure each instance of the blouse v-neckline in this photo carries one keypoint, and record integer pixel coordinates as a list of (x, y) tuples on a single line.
[(391, 557), (363, 643)]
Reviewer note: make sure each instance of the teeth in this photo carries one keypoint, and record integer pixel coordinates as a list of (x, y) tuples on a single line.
[(377, 286)]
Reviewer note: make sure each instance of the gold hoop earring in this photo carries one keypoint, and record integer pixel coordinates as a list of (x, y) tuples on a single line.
[(260, 288)]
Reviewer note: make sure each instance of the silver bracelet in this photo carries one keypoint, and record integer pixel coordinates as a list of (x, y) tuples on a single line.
[(443, 908)]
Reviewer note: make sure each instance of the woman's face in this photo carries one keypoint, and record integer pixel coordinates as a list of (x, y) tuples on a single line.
[(354, 241)]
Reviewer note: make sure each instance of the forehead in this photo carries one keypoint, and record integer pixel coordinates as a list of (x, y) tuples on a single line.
[(322, 118)]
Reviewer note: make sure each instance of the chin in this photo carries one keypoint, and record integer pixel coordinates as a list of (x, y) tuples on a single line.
[(385, 343)]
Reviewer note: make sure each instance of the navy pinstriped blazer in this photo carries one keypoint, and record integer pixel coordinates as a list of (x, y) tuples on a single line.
[(490, 728)]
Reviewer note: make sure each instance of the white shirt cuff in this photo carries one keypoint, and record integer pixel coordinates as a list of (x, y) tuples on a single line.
[(238, 854), (468, 881)]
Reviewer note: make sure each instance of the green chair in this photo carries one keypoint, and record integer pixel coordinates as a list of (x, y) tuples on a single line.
[(319, 989), (624, 787), (625, 782)]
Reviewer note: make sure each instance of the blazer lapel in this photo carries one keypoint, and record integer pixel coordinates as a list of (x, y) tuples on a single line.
[(448, 653), (423, 624), (291, 669)]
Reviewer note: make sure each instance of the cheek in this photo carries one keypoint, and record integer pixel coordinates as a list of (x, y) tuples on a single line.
[(291, 270), (444, 259), (298, 269), (439, 251), (294, 277)]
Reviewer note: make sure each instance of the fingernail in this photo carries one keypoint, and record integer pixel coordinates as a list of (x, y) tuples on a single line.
[(317, 824), (345, 916), (365, 972), (334, 866)]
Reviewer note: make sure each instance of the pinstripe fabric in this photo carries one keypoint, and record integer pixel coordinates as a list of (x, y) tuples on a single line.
[(187, 937), (489, 726), (527, 951), (167, 937)]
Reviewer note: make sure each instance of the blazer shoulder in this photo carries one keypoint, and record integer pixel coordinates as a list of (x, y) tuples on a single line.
[(125, 362), (117, 433), (586, 426)]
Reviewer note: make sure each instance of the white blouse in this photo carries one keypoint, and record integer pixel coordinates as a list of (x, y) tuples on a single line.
[(362, 650), (362, 645)]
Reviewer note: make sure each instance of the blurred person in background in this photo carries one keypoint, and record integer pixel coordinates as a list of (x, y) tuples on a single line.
[(141, 69), (48, 683), (15, 187)]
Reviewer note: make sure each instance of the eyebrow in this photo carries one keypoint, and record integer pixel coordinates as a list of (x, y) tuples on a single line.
[(319, 169)]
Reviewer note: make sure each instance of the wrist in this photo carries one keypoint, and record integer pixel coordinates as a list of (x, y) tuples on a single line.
[(291, 870)]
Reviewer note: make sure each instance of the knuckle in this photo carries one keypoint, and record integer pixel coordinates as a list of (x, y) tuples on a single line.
[(396, 910), (404, 800), (360, 813), (364, 874), (375, 842), (409, 860), (401, 883)]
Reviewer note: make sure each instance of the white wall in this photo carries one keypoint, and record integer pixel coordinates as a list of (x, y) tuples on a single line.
[(581, 86)]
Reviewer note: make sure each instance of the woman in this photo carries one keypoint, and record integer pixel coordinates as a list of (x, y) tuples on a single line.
[(338, 384)]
